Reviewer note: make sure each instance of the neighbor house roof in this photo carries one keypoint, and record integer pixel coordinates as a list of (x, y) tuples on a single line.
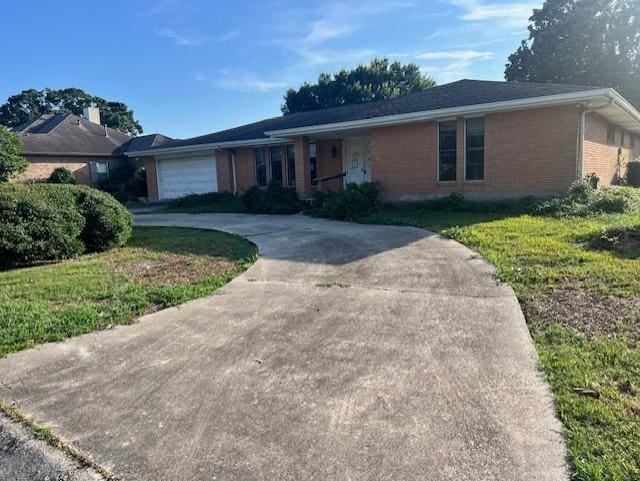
[(72, 135), (461, 97)]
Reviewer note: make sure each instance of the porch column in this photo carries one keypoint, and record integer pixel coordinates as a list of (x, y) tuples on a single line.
[(303, 170)]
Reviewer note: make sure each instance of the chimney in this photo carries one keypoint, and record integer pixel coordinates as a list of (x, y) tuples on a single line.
[(92, 114)]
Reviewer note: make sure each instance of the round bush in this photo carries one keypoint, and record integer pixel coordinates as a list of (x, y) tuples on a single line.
[(61, 175), (43, 222)]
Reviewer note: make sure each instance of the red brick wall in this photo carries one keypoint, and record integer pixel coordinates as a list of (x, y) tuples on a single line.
[(600, 156), (245, 169), (328, 165), (223, 171), (526, 152), (152, 178), (40, 170)]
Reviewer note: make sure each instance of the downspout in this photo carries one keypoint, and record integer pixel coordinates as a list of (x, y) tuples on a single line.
[(233, 171), (583, 119)]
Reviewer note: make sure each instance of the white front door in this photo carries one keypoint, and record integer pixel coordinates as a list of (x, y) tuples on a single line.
[(356, 162)]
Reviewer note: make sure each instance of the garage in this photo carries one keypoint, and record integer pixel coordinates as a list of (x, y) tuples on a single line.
[(182, 176)]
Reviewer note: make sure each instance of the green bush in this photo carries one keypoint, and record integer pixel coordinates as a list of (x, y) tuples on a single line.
[(633, 173), (43, 222), (351, 203), (61, 175), (210, 198), (275, 199), (38, 224), (107, 222), (583, 200)]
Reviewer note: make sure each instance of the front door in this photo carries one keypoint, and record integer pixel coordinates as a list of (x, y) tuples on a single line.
[(356, 162)]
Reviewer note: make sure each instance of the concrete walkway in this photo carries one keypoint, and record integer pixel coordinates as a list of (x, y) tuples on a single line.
[(347, 352)]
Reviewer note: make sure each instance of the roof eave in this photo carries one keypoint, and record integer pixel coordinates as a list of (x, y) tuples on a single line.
[(530, 102), (185, 149)]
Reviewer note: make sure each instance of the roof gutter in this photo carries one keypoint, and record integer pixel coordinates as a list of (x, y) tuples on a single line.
[(543, 101), (185, 149), (581, 133)]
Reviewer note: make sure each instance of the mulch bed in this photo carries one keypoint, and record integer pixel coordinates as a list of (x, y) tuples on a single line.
[(583, 310)]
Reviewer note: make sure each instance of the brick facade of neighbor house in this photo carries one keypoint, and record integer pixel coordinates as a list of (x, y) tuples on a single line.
[(601, 154), (40, 170), (526, 152)]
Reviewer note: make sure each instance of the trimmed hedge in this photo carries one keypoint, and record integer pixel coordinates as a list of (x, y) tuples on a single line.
[(43, 222)]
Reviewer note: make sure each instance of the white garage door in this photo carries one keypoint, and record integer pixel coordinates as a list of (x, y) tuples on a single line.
[(187, 175)]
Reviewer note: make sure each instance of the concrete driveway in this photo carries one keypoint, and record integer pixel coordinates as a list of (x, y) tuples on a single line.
[(347, 352)]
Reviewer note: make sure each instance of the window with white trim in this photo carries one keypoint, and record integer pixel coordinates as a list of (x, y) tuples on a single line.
[(261, 166), (474, 149), (447, 152)]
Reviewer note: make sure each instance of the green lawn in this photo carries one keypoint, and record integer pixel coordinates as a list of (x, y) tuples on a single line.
[(159, 267), (583, 309)]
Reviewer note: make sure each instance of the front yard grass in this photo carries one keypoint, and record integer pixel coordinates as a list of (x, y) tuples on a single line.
[(159, 267), (583, 309)]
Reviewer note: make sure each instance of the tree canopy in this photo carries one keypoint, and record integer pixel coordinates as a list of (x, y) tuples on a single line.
[(380, 79), (12, 162), (31, 104), (584, 42)]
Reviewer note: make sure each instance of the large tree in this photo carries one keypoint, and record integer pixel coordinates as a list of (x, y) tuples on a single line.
[(588, 42), (12, 162), (365, 83), (31, 104)]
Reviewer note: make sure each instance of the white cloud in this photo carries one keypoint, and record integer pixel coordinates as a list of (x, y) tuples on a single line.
[(456, 68), (180, 39), (515, 14), (242, 81)]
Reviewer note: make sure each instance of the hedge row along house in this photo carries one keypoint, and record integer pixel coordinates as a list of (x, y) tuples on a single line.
[(476, 138), (91, 151)]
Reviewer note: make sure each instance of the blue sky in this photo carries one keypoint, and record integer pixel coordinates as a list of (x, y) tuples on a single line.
[(189, 67)]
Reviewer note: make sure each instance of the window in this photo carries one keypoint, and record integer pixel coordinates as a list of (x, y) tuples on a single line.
[(291, 166), (611, 133), (447, 151), (99, 172), (275, 154), (313, 162), (261, 167), (474, 148)]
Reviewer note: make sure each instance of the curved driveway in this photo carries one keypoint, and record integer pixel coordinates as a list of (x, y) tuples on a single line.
[(347, 352)]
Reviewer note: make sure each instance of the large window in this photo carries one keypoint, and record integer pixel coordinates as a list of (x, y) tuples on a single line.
[(611, 133), (275, 155), (474, 149), (261, 167), (313, 162), (291, 166), (447, 151)]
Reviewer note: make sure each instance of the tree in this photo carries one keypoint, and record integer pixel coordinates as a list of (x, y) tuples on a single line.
[(12, 162), (31, 104), (366, 83), (585, 42)]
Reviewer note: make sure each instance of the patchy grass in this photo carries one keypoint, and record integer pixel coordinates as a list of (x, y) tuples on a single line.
[(583, 308), (159, 267)]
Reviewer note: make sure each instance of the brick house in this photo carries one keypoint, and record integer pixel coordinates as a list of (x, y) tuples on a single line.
[(81, 144), (477, 138)]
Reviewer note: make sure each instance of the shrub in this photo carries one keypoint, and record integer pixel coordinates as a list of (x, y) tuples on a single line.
[(210, 198), (583, 200), (38, 224), (275, 199), (61, 175), (253, 200), (42, 222), (351, 203), (633, 173), (619, 238), (107, 222)]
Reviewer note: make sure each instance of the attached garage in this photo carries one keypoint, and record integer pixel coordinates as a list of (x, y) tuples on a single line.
[(180, 176)]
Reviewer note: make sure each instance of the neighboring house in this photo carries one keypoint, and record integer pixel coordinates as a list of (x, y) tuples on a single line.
[(81, 144), (477, 138)]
